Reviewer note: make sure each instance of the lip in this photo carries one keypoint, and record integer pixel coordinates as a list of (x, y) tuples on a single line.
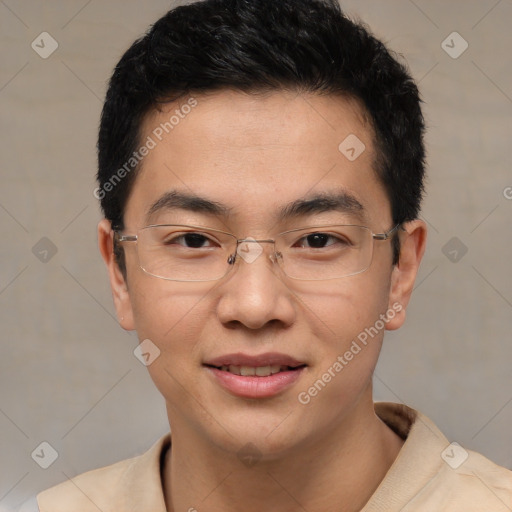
[(254, 386), (267, 359)]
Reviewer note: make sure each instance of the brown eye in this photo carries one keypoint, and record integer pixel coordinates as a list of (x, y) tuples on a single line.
[(191, 240), (320, 240)]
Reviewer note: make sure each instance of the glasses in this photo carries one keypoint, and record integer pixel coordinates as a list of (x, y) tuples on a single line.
[(181, 252)]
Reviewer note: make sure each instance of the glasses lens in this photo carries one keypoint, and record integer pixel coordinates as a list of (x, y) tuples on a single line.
[(184, 253), (192, 253), (327, 252)]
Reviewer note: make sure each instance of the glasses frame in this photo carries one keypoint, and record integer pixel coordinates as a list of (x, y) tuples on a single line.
[(118, 237)]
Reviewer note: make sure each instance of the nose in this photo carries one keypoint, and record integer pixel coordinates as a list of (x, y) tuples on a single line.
[(255, 292)]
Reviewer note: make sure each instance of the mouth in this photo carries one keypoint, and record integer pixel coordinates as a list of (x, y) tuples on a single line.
[(260, 376), (258, 371)]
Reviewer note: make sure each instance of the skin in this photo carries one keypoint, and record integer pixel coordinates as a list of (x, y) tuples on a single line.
[(255, 153)]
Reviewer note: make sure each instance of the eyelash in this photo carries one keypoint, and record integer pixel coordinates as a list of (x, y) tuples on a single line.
[(329, 236)]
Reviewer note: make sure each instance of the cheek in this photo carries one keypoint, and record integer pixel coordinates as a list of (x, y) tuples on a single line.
[(171, 315), (345, 319), (165, 310), (339, 310)]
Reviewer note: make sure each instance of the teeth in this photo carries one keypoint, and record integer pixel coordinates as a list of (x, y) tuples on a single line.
[(260, 371), (264, 371), (234, 369), (247, 370)]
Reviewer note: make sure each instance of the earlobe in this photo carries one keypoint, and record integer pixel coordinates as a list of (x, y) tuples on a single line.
[(118, 283), (412, 248)]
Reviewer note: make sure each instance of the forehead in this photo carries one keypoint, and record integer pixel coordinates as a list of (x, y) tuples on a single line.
[(256, 154)]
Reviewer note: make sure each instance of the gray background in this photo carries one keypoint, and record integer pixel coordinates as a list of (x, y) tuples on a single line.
[(68, 375)]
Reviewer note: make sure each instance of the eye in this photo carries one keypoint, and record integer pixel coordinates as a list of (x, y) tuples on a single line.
[(319, 241), (190, 240)]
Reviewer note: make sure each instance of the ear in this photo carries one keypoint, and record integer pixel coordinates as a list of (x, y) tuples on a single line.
[(118, 284), (412, 248)]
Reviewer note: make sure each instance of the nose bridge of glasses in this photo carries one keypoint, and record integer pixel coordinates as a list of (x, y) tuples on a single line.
[(249, 253), (254, 240)]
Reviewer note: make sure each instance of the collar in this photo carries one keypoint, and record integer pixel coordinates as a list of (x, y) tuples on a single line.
[(135, 485), (423, 442)]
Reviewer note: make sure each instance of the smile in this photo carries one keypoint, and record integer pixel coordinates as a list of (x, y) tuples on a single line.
[(255, 376), (258, 371)]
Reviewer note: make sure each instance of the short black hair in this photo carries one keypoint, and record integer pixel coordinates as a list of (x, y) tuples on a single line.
[(308, 46)]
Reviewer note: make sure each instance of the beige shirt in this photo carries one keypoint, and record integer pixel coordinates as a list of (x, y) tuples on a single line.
[(429, 475)]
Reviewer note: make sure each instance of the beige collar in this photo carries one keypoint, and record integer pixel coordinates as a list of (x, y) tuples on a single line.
[(418, 477)]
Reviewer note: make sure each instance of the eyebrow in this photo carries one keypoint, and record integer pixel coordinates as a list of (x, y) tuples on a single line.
[(339, 200)]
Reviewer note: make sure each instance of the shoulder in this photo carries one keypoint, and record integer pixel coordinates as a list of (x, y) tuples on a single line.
[(432, 473), (475, 485), (117, 487), (88, 491), (464, 477), (484, 484)]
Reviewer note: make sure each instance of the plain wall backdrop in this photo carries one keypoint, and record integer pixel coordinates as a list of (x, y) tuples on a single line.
[(68, 375)]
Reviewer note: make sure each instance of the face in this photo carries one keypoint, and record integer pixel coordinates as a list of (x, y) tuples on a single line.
[(255, 154)]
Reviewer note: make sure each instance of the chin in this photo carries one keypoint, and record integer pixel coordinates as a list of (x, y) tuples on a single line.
[(272, 431)]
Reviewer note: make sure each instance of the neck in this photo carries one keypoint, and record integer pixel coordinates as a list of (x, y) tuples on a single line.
[(339, 470)]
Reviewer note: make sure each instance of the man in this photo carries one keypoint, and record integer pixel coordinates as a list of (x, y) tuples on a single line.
[(261, 170)]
